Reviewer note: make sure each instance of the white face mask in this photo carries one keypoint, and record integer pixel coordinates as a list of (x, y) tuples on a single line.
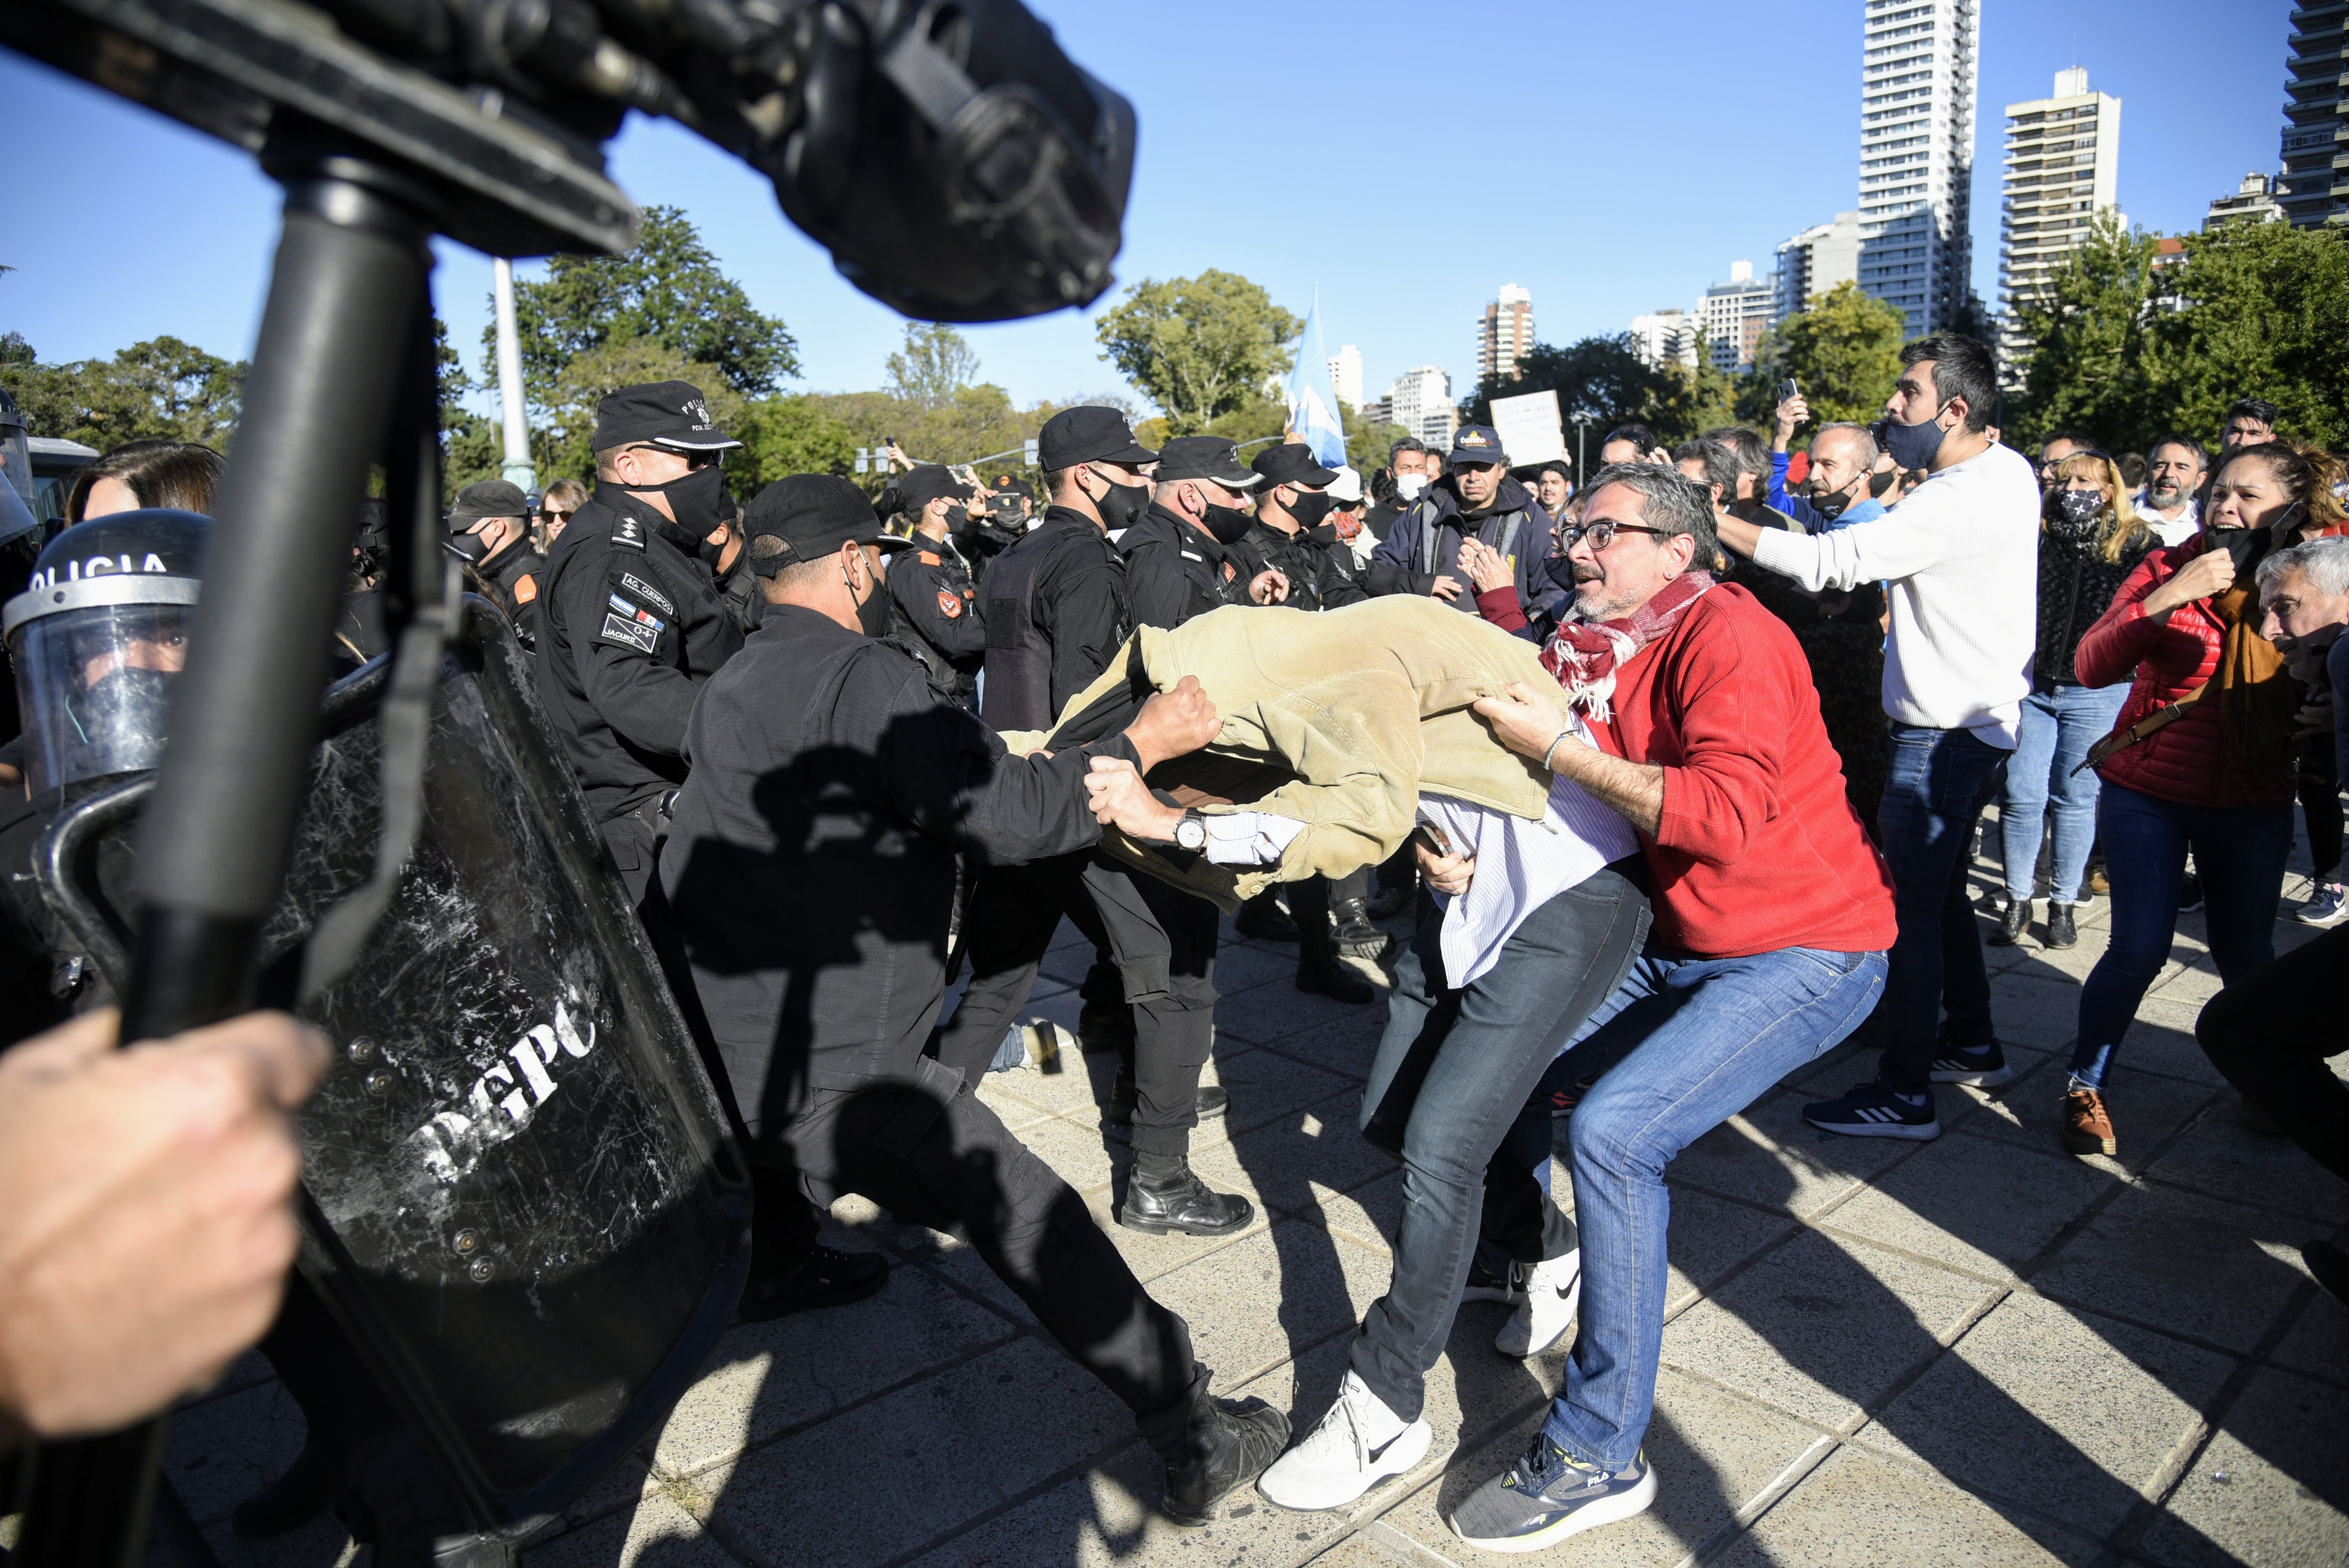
[(1409, 486)]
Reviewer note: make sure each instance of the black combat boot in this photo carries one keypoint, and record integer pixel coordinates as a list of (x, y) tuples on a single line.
[(1355, 935), (1164, 1197), (1211, 1449)]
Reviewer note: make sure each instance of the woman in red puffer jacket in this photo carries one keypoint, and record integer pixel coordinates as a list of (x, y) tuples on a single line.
[(2218, 779)]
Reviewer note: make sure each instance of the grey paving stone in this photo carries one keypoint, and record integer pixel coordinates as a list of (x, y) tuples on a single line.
[(1294, 1162), (962, 1267), (1254, 1305), (1821, 1328), (1709, 1236), (655, 1534), (1345, 1047), (2319, 1342), (223, 1451), (1712, 1452), (1078, 1090), (767, 1376), (2227, 1162), (2162, 1041), (2065, 1413), (1371, 1215), (1972, 1205), (1079, 1151), (2284, 1452), (2214, 1271), (997, 1428), (1857, 1512), (2035, 1011), (1249, 964), (1772, 1157), (2146, 1110), (1268, 1089), (324, 1542), (1275, 1009)]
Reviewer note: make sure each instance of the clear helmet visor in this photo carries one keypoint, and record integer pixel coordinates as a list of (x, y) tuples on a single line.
[(94, 686), (17, 461)]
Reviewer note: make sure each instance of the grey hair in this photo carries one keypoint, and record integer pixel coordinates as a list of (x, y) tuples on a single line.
[(2323, 561), (1673, 502), (1857, 432)]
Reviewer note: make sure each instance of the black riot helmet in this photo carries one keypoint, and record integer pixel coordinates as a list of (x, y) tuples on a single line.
[(97, 639)]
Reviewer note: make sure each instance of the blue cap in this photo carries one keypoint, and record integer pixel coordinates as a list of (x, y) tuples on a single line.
[(1476, 444)]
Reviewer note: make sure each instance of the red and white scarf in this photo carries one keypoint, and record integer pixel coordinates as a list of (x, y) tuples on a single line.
[(1585, 655)]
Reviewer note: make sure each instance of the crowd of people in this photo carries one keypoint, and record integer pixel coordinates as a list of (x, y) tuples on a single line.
[(1680, 763)]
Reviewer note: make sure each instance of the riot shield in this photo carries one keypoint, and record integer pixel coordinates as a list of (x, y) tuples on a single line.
[(522, 1199)]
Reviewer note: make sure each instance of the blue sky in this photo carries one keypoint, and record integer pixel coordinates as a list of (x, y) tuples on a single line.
[(1611, 159)]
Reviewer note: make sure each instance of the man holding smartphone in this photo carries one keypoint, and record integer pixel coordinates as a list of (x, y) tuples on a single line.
[(1843, 464)]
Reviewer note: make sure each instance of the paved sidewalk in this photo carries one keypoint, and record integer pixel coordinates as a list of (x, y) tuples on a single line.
[(1977, 1350)]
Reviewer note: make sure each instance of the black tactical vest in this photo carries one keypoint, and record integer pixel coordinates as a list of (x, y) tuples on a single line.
[(1018, 690)]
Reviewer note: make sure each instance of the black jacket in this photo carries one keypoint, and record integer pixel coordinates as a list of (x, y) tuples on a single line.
[(1424, 543), (1320, 570), (2076, 585), (934, 609), (1080, 605), (1173, 572), (630, 629), (810, 864)]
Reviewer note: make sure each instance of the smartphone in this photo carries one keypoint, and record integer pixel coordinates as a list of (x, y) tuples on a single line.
[(1788, 389), (1434, 837)]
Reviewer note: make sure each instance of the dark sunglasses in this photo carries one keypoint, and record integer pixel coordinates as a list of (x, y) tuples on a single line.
[(1602, 535), (547, 516)]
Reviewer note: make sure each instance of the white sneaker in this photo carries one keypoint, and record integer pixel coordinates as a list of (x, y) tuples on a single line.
[(1552, 1291), (1356, 1445), (2326, 908)]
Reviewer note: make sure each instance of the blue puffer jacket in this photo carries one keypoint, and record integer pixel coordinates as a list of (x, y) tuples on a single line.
[(1424, 544)]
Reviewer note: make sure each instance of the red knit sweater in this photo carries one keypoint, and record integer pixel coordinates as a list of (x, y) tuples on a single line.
[(1758, 847)]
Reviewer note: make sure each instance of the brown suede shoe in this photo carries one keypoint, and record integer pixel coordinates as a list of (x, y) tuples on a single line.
[(2088, 1125)]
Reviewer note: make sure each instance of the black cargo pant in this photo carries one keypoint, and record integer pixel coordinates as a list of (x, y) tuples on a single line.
[(933, 1154), (632, 842), (1164, 943), (2269, 1034)]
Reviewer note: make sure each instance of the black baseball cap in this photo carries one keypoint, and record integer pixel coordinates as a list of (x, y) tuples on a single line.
[(1476, 444), (1090, 434), (926, 483), (490, 498), (668, 414), (808, 517), (1005, 484), (1292, 463), (1206, 457)]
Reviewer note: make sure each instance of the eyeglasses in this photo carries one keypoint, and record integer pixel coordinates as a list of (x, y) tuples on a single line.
[(1602, 535)]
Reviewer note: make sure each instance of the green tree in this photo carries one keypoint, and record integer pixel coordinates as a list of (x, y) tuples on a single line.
[(785, 436), (936, 363), (473, 447), (2255, 310), (162, 389), (1199, 347), (2088, 366), (1844, 352), (1603, 382), (563, 443), (667, 292)]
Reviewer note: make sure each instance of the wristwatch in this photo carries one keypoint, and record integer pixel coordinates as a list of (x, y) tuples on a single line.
[(1191, 833)]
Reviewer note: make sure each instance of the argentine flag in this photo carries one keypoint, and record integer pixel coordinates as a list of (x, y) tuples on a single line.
[(1313, 397)]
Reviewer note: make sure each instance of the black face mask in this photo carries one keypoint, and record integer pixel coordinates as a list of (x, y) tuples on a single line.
[(709, 549), (469, 548), (2247, 547), (1122, 506), (1229, 524), (700, 501), (873, 614), (1310, 508)]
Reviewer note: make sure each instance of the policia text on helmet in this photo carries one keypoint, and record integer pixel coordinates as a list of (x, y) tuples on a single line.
[(957, 165)]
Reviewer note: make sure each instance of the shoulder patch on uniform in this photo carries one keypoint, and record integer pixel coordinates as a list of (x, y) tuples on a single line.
[(949, 603), (628, 534), (929, 558), (632, 584), (525, 589), (629, 634)]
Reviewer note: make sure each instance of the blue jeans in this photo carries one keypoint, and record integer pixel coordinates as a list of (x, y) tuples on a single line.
[(1452, 1072), (1934, 792), (2058, 730), (2238, 853), (1700, 1040)]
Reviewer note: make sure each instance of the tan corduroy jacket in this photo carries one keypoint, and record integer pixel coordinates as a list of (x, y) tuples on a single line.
[(1336, 720)]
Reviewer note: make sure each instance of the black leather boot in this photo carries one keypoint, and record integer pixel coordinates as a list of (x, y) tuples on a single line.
[(1213, 1101), (2062, 931), (1355, 935), (1211, 1449), (1164, 1197), (2012, 923)]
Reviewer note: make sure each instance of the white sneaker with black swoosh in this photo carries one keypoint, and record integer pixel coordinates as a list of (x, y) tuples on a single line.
[(1356, 1445), (1553, 1291)]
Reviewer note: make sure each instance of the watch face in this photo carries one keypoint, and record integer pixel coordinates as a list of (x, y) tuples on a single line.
[(1190, 833)]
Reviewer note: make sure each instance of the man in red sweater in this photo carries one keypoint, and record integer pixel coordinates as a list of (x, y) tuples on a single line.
[(1772, 915)]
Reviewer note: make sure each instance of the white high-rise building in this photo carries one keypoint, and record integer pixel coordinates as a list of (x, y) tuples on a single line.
[(1421, 402), (1734, 315), (1346, 375), (1916, 156), (2063, 167), (1666, 337), (1505, 334), (1814, 262)]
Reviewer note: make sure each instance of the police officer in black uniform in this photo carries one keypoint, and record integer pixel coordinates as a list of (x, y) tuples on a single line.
[(489, 532), (1056, 615), (823, 758), (631, 625), (1184, 557), (933, 601), (1292, 532)]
